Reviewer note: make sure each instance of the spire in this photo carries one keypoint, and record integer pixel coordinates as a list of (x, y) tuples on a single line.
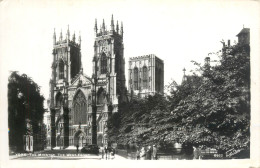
[(73, 38), (61, 35), (54, 37), (112, 24), (68, 34), (184, 70), (95, 28), (122, 31), (103, 26), (117, 26), (79, 39)]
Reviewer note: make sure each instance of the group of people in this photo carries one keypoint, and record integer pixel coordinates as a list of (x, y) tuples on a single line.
[(147, 153), (108, 153)]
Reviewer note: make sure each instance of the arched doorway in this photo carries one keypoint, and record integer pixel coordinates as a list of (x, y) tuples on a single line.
[(79, 138)]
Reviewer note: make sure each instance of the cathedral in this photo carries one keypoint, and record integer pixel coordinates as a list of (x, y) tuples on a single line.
[(76, 98)]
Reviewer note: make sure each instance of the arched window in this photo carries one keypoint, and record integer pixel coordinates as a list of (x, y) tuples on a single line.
[(80, 108), (59, 100), (103, 64), (145, 77), (100, 96), (61, 70), (136, 79)]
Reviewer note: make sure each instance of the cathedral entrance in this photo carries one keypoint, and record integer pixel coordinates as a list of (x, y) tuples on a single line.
[(79, 138)]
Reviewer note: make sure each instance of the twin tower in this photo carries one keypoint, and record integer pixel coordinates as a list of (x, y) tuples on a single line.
[(75, 98), (72, 93)]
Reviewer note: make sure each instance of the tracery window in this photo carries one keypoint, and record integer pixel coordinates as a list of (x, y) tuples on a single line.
[(61, 69), (80, 108), (59, 100), (103, 64), (145, 77), (136, 79)]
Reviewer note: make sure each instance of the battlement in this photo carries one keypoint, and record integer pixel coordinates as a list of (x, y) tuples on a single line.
[(144, 57)]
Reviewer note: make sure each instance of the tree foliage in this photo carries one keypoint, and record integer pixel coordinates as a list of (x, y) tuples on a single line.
[(210, 109), (25, 103)]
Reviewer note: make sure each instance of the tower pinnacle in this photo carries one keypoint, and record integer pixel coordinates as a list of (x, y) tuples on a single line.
[(103, 26), (122, 31), (73, 38), (61, 35), (95, 28), (79, 39), (68, 34), (117, 27), (112, 24), (54, 37)]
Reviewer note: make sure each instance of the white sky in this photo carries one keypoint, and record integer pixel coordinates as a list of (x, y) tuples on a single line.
[(176, 32)]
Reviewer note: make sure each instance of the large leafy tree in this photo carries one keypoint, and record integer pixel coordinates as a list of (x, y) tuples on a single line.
[(210, 108), (25, 104)]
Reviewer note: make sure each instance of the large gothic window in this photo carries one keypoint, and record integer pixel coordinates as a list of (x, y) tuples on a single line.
[(80, 109), (100, 96), (145, 77), (61, 70), (103, 64), (58, 100), (136, 79)]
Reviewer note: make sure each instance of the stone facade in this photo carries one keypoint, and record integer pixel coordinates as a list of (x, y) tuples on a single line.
[(72, 93), (146, 75)]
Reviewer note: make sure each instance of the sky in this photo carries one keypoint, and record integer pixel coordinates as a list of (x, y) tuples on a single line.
[(177, 32)]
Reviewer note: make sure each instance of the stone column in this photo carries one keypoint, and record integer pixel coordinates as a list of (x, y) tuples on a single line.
[(53, 128)]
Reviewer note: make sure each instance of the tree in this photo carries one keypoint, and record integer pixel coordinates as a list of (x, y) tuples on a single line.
[(25, 103)]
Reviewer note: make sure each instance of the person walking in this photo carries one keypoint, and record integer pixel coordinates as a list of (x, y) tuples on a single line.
[(138, 154), (148, 153), (112, 153), (142, 154), (154, 153), (77, 146), (106, 151)]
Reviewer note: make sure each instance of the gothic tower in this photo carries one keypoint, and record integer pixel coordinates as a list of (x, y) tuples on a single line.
[(109, 62), (65, 66)]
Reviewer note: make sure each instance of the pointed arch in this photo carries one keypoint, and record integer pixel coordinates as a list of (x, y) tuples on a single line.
[(58, 100), (103, 63), (101, 96), (79, 108), (135, 78), (61, 69), (145, 77)]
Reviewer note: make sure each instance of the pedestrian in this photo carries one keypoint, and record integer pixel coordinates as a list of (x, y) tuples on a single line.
[(148, 153), (142, 154), (106, 151), (154, 153), (112, 153), (102, 151), (77, 146), (138, 154)]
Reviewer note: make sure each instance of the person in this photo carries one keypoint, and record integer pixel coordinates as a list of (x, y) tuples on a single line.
[(102, 151), (148, 153), (138, 154), (154, 153), (112, 153), (195, 153), (106, 151), (142, 154), (77, 146)]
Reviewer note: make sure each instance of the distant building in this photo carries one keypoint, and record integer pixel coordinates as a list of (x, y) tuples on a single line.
[(244, 36), (146, 75)]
